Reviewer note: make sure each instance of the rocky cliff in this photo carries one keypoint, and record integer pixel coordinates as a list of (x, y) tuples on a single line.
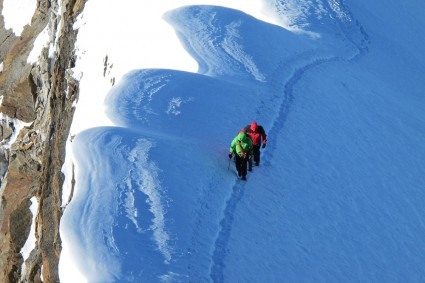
[(36, 110)]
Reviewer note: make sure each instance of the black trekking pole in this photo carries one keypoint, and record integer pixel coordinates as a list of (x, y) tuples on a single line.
[(228, 167)]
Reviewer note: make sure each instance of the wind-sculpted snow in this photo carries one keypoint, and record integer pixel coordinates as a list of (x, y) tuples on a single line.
[(148, 220), (317, 16), (232, 45), (157, 199), (138, 220), (126, 205), (328, 20), (162, 102)]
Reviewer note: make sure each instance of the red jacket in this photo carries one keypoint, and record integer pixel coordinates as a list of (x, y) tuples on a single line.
[(256, 135)]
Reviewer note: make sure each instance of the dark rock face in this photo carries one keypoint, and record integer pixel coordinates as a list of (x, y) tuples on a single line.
[(42, 96)]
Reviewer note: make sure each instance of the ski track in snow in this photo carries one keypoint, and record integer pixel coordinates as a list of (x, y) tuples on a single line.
[(277, 126), (225, 229)]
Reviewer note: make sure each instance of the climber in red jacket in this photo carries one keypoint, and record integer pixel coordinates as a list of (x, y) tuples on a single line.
[(259, 139)]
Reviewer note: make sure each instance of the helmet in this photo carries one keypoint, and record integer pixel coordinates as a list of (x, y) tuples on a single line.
[(254, 126)]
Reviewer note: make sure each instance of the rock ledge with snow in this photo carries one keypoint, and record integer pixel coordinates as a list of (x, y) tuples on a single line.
[(36, 110)]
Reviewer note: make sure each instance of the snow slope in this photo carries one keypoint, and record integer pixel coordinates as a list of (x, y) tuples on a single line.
[(339, 194)]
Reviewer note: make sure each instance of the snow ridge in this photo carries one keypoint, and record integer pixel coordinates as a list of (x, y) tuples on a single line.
[(154, 151)]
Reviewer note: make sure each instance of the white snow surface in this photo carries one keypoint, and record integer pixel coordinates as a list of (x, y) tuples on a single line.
[(338, 196), (42, 41), (17, 14), (31, 241)]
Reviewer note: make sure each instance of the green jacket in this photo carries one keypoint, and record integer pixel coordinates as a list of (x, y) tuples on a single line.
[(241, 144)]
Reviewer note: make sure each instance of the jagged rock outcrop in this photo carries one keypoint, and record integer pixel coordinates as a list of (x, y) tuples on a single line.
[(40, 95)]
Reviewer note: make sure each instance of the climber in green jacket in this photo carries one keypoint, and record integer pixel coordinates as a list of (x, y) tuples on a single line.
[(241, 146)]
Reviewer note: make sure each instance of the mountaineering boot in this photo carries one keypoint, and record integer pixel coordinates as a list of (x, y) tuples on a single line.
[(243, 178), (257, 163), (239, 173)]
